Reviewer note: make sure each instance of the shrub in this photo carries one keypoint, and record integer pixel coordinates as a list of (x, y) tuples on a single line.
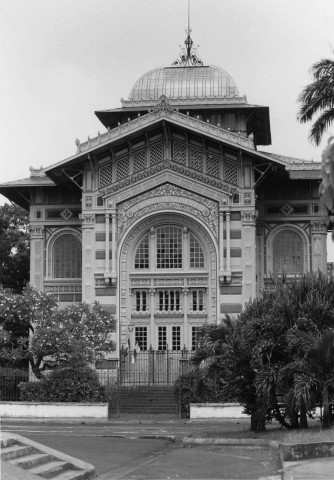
[(65, 385), (186, 392), (9, 381)]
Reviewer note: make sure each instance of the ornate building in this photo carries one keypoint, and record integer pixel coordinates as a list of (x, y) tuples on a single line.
[(173, 216)]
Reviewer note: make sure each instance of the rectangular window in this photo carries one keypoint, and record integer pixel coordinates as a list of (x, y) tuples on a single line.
[(162, 338), (169, 301), (141, 301), (198, 301), (176, 338), (141, 337), (169, 247), (194, 337)]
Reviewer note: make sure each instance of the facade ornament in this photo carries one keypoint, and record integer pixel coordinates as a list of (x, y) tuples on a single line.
[(88, 202), (163, 105), (247, 199), (36, 232), (249, 217), (188, 55), (175, 199), (320, 226), (87, 220)]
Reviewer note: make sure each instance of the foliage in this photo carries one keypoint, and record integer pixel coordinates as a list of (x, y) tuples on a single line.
[(269, 358), (69, 384), (76, 335), (188, 389), (317, 99), (10, 378), (14, 247), (326, 188)]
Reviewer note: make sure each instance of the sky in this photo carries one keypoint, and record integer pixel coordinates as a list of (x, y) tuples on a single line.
[(63, 59)]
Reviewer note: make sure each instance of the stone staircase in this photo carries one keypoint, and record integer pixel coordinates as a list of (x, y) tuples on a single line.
[(144, 400), (36, 460)]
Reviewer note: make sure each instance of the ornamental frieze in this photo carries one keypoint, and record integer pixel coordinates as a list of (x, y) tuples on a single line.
[(36, 232), (87, 220), (169, 198), (163, 166)]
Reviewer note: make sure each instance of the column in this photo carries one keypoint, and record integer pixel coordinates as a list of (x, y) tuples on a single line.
[(249, 253), (228, 243), (106, 267), (221, 242), (36, 256), (319, 245), (113, 244), (185, 309), (152, 325), (185, 257), (88, 224)]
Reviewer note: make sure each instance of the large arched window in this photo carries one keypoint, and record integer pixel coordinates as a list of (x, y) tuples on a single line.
[(288, 253), (66, 256)]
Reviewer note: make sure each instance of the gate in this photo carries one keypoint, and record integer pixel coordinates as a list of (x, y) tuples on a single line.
[(158, 367)]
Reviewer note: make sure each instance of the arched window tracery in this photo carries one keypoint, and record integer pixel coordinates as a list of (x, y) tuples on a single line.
[(288, 253)]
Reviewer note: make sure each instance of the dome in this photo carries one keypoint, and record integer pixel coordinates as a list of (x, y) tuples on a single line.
[(184, 82)]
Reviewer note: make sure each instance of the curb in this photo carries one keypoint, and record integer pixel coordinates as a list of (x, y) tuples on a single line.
[(225, 441)]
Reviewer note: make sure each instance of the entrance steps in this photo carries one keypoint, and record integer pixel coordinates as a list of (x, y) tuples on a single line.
[(30, 459), (144, 399)]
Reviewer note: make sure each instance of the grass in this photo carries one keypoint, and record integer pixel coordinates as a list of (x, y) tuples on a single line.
[(274, 432)]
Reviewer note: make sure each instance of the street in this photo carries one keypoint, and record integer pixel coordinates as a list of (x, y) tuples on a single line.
[(123, 450)]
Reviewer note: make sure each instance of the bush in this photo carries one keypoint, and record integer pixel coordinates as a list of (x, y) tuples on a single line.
[(10, 378), (65, 385), (185, 389)]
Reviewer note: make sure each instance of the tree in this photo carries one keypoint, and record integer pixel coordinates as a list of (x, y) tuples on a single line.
[(261, 358), (14, 247), (77, 335), (317, 99)]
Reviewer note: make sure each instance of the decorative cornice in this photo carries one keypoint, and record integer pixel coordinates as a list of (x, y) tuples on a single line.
[(174, 167)]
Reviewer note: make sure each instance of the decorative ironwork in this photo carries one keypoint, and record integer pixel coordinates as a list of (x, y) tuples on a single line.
[(188, 55)]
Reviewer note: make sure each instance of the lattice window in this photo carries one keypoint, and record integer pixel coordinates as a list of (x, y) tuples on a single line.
[(285, 190), (162, 338), (196, 159), (122, 168), (197, 300), (142, 254), (141, 337), (67, 257), (141, 301), (196, 253), (105, 175), (194, 337), (213, 165), (156, 153), (139, 160), (54, 196), (288, 253), (66, 195), (179, 152), (302, 190), (230, 121), (176, 338), (169, 247), (231, 173), (169, 301)]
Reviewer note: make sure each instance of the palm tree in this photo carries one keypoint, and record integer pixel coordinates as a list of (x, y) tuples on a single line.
[(316, 371), (317, 99)]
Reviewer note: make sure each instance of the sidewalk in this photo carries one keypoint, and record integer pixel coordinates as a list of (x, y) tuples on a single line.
[(141, 428)]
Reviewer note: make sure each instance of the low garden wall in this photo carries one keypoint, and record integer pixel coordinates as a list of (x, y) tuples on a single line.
[(216, 410), (53, 410)]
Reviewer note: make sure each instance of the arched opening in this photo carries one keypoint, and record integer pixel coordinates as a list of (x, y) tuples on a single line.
[(288, 253)]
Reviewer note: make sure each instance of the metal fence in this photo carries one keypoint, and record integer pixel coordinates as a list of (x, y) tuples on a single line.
[(158, 367)]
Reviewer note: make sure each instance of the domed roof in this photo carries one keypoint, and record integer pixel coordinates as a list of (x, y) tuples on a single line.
[(178, 82)]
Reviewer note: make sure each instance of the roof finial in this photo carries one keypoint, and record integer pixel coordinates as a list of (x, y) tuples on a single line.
[(187, 56)]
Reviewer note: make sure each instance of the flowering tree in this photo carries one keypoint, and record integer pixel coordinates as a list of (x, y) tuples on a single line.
[(77, 335)]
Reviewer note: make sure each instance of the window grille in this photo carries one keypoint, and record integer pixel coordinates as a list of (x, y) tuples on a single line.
[(230, 121), (213, 165), (139, 160), (122, 168), (169, 247), (288, 253), (67, 257), (176, 338), (162, 338), (105, 175), (197, 300), (156, 153), (142, 254), (194, 337), (196, 159), (66, 195), (302, 190), (196, 253), (179, 153), (231, 173), (141, 337), (141, 301), (169, 301)]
